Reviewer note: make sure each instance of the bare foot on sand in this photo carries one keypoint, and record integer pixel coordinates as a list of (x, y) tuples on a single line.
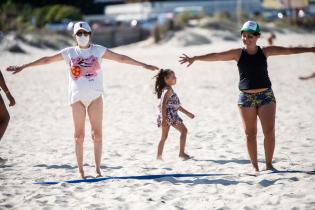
[(185, 157), (256, 168), (270, 168), (98, 173), (159, 157), (82, 174)]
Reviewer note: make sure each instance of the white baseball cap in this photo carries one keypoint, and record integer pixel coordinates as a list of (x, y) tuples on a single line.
[(251, 27), (81, 26)]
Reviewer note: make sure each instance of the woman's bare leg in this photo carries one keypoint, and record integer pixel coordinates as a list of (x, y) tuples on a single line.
[(164, 135), (4, 121), (78, 114), (4, 117), (95, 112), (183, 135), (267, 115), (249, 118)]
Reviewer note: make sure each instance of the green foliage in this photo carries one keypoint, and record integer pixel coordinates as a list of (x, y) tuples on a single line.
[(86, 6), (222, 16), (182, 18), (56, 13), (18, 16), (13, 16)]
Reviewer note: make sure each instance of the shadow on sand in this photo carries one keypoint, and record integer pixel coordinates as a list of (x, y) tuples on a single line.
[(222, 162), (67, 166), (202, 181), (63, 166), (292, 172)]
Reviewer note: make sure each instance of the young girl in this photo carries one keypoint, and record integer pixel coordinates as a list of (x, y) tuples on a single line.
[(256, 97), (168, 106), (85, 86), (4, 114)]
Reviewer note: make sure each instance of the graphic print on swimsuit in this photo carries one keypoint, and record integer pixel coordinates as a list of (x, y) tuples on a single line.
[(84, 67), (172, 116)]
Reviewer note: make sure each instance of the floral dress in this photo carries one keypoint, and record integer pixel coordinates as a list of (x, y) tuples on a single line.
[(172, 105)]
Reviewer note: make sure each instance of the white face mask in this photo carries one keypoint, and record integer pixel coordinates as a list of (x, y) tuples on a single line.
[(83, 41)]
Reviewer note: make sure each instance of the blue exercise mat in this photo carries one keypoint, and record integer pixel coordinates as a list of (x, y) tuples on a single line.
[(144, 177), (148, 177)]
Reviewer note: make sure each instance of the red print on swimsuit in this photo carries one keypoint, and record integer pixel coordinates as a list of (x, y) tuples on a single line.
[(86, 67)]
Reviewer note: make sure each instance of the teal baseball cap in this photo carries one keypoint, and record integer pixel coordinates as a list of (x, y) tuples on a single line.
[(251, 27)]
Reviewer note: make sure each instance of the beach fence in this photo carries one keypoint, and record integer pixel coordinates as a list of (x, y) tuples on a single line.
[(120, 35), (210, 6), (114, 34)]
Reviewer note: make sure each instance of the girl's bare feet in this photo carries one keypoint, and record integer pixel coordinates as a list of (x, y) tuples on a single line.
[(159, 157), (184, 156)]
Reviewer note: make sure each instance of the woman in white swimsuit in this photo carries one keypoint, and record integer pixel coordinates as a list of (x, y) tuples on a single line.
[(85, 86)]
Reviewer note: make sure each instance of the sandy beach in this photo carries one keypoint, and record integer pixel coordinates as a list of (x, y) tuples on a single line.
[(39, 140)]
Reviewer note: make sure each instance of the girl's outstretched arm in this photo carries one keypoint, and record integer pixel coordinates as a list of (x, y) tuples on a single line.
[(189, 114), (41, 61), (4, 87), (276, 50), (127, 60), (228, 55)]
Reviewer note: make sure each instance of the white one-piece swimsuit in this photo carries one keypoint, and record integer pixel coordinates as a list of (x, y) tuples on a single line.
[(85, 74)]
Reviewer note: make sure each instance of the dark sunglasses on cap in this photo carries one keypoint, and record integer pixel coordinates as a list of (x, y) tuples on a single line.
[(85, 33)]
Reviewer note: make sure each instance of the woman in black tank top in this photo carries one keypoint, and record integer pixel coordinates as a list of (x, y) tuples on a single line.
[(256, 96)]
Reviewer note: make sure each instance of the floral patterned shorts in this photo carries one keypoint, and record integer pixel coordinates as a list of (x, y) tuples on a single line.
[(172, 118), (256, 99)]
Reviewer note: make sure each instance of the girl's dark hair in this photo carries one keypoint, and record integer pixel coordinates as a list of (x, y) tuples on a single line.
[(160, 82)]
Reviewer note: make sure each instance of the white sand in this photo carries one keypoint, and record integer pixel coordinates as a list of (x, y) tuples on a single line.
[(39, 143)]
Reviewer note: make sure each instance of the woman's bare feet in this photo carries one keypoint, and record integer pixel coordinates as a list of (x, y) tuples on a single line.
[(184, 156), (82, 174), (98, 173), (269, 167), (255, 166)]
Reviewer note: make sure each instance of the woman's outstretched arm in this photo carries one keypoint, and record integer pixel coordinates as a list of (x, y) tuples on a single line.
[(41, 61), (3, 85), (228, 55), (6, 90), (110, 55), (276, 50)]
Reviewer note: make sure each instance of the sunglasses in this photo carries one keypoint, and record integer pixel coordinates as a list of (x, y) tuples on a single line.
[(80, 33)]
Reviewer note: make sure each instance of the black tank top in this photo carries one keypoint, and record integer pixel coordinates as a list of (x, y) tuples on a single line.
[(253, 70)]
